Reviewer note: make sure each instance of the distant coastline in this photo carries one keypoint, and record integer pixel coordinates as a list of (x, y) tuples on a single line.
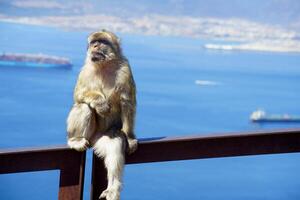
[(263, 46), (252, 35), (258, 46)]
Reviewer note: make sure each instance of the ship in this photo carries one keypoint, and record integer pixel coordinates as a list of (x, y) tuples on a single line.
[(33, 60), (261, 116)]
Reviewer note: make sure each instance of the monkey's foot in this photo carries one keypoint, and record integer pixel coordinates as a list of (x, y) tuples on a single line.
[(132, 145), (110, 195), (79, 144), (103, 194)]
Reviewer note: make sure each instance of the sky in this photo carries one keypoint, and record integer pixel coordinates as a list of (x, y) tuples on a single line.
[(269, 25)]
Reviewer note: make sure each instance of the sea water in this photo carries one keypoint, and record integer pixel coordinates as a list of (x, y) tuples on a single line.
[(182, 89)]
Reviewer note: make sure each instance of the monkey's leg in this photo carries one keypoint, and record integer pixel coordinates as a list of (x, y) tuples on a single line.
[(111, 148), (80, 126)]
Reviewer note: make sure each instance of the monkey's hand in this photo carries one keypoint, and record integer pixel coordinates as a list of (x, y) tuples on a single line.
[(132, 145), (101, 106)]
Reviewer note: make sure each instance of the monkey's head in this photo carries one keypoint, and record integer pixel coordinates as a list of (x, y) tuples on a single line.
[(103, 46)]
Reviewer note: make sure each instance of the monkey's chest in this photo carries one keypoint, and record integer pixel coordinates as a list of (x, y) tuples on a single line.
[(104, 83), (108, 86), (108, 81)]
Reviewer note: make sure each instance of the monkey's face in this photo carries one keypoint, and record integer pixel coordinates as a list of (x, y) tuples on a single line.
[(102, 46)]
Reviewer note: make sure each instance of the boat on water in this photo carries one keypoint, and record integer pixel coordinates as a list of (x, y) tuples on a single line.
[(33, 60), (262, 116)]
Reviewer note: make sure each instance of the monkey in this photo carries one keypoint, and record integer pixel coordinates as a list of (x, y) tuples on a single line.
[(103, 113)]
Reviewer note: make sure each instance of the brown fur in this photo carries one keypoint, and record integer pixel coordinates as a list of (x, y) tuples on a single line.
[(111, 83), (104, 107)]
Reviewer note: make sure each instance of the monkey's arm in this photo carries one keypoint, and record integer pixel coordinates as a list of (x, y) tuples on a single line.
[(95, 99), (87, 97), (125, 86), (128, 110), (82, 94)]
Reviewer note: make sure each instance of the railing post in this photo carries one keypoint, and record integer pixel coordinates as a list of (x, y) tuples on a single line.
[(99, 178), (72, 178)]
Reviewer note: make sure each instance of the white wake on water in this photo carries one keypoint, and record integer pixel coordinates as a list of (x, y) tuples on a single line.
[(206, 83)]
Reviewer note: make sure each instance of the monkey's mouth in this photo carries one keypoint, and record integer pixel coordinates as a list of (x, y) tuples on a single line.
[(98, 56)]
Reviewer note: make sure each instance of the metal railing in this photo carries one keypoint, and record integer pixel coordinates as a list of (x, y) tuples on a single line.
[(198, 147), (71, 163)]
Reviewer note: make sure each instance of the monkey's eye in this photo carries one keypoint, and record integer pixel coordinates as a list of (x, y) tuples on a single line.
[(101, 41)]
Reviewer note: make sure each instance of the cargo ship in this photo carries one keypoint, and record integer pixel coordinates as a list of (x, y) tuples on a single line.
[(262, 116), (33, 60)]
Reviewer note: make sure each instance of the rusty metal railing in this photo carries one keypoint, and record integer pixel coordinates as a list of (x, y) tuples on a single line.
[(72, 164)]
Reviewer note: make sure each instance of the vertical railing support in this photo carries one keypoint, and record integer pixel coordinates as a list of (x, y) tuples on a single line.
[(99, 178), (72, 179)]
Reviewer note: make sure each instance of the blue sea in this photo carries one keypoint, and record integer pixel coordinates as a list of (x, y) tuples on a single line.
[(34, 104)]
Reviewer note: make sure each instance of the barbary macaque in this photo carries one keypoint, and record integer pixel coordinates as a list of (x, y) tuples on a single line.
[(103, 113)]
